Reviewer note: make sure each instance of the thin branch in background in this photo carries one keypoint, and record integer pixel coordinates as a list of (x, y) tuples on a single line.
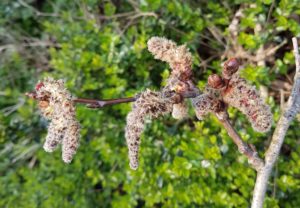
[(217, 34), (234, 48), (10, 109), (37, 12), (274, 181), (128, 15), (134, 4), (270, 12), (30, 45), (43, 14), (120, 15)]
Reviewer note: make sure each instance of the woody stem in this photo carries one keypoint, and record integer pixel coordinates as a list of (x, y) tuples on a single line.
[(94, 103), (246, 149)]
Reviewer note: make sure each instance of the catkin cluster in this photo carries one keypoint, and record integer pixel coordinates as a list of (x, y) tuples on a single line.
[(234, 91), (153, 104), (149, 104), (56, 105)]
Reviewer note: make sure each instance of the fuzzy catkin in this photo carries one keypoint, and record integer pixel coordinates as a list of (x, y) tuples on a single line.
[(56, 130), (70, 142), (149, 104), (56, 105), (178, 57), (244, 97), (204, 104)]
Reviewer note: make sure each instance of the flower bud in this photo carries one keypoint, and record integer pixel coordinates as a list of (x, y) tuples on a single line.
[(215, 81), (230, 67)]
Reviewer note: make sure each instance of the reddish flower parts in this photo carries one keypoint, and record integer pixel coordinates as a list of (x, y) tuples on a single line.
[(244, 97), (56, 105), (215, 81)]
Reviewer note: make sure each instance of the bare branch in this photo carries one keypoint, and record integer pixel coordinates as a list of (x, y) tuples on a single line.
[(29, 45), (291, 109), (270, 11), (37, 12), (91, 103), (94, 103)]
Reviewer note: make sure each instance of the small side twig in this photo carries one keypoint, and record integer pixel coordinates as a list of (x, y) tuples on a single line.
[(248, 150), (270, 12)]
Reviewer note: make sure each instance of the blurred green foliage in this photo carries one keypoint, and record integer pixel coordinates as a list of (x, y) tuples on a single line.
[(99, 48)]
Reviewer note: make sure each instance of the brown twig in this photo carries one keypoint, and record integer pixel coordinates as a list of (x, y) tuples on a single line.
[(248, 150), (94, 103)]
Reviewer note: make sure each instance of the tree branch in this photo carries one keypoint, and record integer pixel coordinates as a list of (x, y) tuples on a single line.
[(31, 44), (248, 150), (94, 103), (91, 103), (291, 109)]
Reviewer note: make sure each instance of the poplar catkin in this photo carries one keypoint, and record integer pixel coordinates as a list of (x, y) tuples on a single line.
[(245, 97), (149, 104), (178, 57), (205, 103), (56, 105)]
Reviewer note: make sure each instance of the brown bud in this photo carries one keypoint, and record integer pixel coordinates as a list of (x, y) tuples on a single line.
[(215, 81), (180, 88), (230, 67), (177, 98), (185, 75)]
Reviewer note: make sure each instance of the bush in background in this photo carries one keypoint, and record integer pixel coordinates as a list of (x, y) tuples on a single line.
[(99, 47)]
